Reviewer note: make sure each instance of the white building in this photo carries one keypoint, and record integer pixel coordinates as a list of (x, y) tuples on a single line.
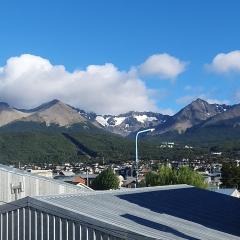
[(15, 184)]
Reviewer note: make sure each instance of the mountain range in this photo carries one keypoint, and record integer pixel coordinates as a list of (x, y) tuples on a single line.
[(56, 131), (198, 114)]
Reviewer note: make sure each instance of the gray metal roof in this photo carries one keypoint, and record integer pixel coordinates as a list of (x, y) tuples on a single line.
[(227, 191), (167, 212), (71, 178), (25, 173)]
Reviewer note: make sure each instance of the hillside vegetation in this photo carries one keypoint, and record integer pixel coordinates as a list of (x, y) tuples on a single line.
[(55, 132)]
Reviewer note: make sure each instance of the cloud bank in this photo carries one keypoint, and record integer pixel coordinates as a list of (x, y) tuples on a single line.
[(225, 63), (163, 65), (27, 81)]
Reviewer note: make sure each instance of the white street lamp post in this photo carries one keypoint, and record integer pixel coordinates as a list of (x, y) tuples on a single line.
[(143, 131)]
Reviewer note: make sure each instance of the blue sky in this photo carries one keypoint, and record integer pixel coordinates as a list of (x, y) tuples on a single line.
[(124, 33)]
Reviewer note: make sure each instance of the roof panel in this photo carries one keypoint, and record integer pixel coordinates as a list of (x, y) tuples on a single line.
[(170, 212)]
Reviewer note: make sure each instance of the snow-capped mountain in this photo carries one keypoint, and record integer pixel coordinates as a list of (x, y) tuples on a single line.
[(63, 115), (193, 114), (124, 124)]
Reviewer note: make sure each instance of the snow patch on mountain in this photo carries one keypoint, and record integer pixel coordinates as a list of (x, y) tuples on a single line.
[(119, 120), (144, 118), (103, 121)]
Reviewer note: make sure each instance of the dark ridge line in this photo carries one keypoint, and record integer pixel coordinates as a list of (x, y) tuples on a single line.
[(81, 148)]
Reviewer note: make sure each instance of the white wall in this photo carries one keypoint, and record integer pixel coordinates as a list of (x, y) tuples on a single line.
[(32, 186)]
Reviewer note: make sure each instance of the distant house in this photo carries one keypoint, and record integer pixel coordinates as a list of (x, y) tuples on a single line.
[(130, 182), (88, 178), (167, 145), (78, 179), (85, 179), (217, 153), (66, 173)]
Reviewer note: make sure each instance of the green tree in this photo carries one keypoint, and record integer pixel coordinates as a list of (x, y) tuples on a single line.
[(152, 179), (185, 175), (106, 180), (230, 175), (168, 176), (164, 176)]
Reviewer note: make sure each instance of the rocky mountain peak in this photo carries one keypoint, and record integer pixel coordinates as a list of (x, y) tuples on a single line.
[(55, 112), (199, 100), (46, 105), (200, 110), (199, 105), (193, 114)]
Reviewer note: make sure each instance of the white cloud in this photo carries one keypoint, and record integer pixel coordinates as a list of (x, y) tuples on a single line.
[(224, 63), (27, 81), (189, 98), (163, 65)]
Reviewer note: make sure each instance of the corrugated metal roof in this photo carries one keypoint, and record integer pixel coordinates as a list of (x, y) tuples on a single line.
[(70, 178), (227, 191), (168, 212), (25, 173)]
